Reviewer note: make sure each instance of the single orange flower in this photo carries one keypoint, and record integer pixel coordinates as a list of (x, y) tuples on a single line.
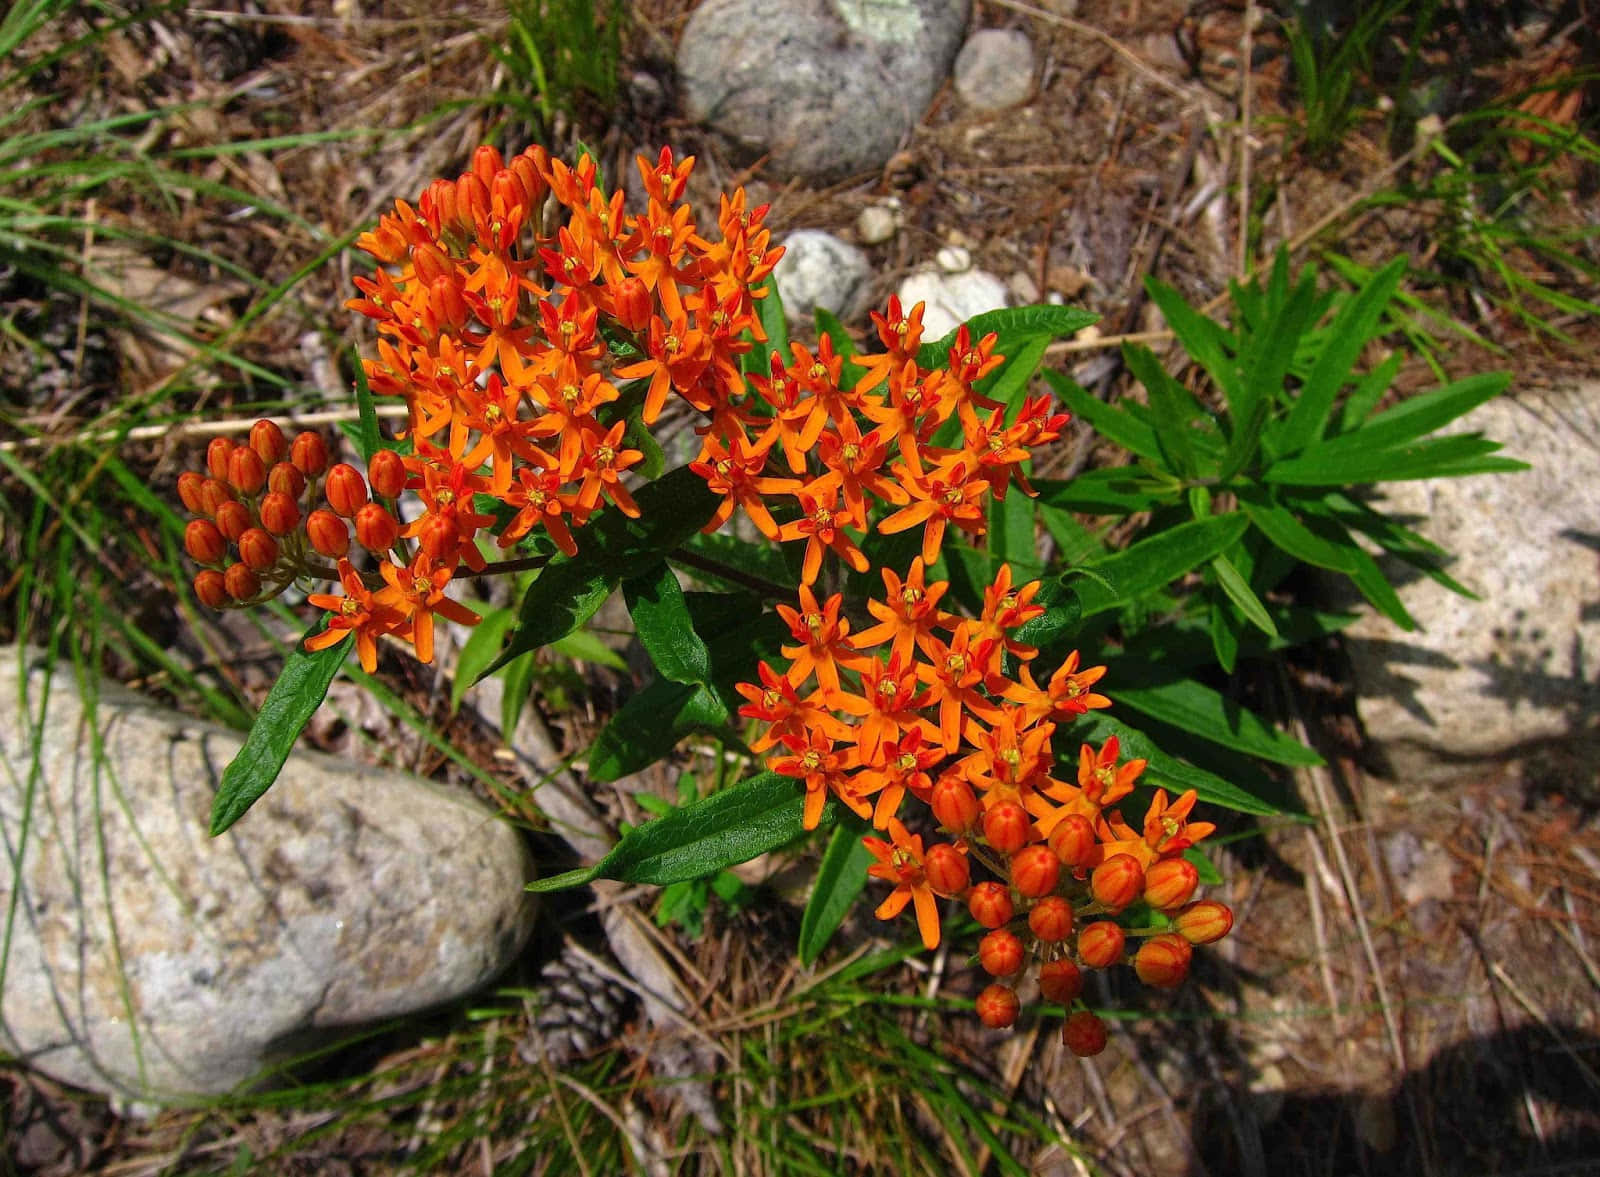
[(901, 863)]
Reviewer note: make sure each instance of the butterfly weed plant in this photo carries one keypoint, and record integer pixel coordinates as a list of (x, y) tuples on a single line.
[(889, 657)]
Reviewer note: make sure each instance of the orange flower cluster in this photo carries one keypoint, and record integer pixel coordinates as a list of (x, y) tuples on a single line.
[(921, 703), (838, 472)]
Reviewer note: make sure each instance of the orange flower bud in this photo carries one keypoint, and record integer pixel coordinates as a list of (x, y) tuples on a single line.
[(946, 869), (247, 473), (1060, 981), (327, 533), (447, 305), (632, 302), (213, 493), (1035, 871), (376, 529), (1051, 919), (955, 805), (211, 589), (439, 538), (1117, 881), (486, 161), (1100, 944), (472, 201), (268, 441), (438, 204), (1163, 961), (432, 263), (280, 514), (240, 582), (1000, 953), (309, 453), (217, 454), (990, 904), (285, 478), (525, 168), (1204, 922), (346, 490), (998, 1007), (258, 550), (1006, 827), (387, 474), (204, 542), (505, 190), (191, 490), (1084, 1034), (1170, 883), (234, 519), (1073, 841)]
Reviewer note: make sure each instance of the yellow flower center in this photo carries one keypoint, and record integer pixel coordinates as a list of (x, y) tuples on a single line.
[(813, 622), (811, 760)]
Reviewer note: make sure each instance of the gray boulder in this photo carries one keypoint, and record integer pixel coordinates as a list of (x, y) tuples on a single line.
[(825, 88), (819, 270), (145, 959), (1520, 667)]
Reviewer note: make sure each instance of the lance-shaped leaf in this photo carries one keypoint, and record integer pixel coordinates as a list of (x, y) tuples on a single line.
[(840, 880), (1156, 562), (661, 619), (754, 816)]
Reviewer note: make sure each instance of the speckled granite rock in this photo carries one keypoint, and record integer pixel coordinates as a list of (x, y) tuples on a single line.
[(819, 270), (1521, 666), (151, 961), (824, 88)]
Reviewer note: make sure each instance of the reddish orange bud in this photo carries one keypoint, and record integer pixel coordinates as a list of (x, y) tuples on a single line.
[(234, 519), (285, 478), (240, 582), (1100, 944), (204, 542), (439, 538), (1035, 871), (526, 169), (1060, 981), (217, 455), (258, 550), (309, 453), (507, 192), (998, 1007), (327, 533), (1084, 1034), (438, 203), (1073, 841), (280, 514), (1163, 961), (990, 904), (1006, 827), (448, 306), (1051, 919), (211, 589), (432, 263), (376, 529), (955, 805), (632, 302), (472, 200), (1170, 883), (1000, 953), (1117, 881), (946, 869), (213, 493), (247, 473), (1204, 922), (346, 490), (387, 474), (268, 441), (486, 161), (191, 490)]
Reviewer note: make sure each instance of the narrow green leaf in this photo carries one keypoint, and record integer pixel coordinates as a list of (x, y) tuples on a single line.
[(480, 649), (1156, 562), (1439, 457), (1011, 529), (1209, 875), (1013, 325), (1420, 415), (1111, 490), (518, 684), (300, 689), (1330, 546), (1375, 586), (841, 878), (775, 327), (752, 817), (1171, 405), (369, 440), (1195, 708), (661, 619), (1167, 771), (1368, 392), (1242, 595), (583, 645), (1116, 424), (650, 724), (1225, 632), (1208, 342)]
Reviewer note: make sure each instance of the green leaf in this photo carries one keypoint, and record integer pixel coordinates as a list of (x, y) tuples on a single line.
[(1171, 406), (661, 619), (1166, 771), (1420, 415), (299, 691), (1192, 707), (1242, 595), (1011, 529), (368, 440), (1209, 875), (1269, 356), (1225, 633), (1375, 586), (1156, 562), (1368, 392), (519, 674), (1207, 341), (775, 326), (840, 880), (1014, 325), (480, 649), (583, 645), (1349, 332), (1118, 425), (569, 590), (752, 817), (1330, 546), (650, 724), (1439, 457), (1111, 490)]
